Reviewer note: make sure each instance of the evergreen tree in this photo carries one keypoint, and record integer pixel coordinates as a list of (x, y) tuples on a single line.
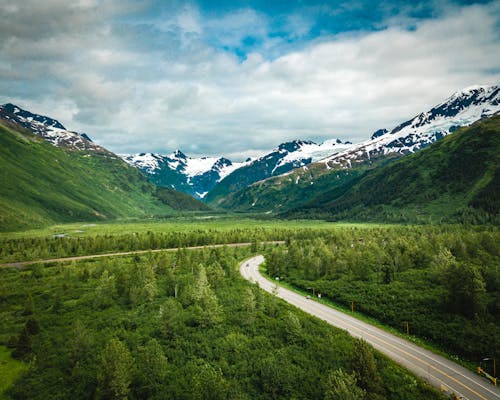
[(207, 309), (342, 386), (152, 369), (144, 287), (29, 307), (293, 328), (215, 274), (105, 291), (23, 345), (365, 368), (33, 326), (81, 344), (115, 374), (171, 317), (466, 289), (249, 305)]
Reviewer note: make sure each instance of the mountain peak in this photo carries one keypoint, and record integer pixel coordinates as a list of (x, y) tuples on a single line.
[(462, 108), (293, 145), (379, 132), (49, 129), (178, 154), (30, 118)]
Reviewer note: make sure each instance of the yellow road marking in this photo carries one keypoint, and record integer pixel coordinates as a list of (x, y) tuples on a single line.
[(394, 347), (402, 351)]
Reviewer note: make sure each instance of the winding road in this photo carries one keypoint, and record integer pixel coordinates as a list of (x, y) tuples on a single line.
[(438, 371)]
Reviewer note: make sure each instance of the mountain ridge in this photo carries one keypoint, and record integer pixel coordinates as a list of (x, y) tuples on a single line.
[(454, 179), (50, 129), (45, 181), (302, 184)]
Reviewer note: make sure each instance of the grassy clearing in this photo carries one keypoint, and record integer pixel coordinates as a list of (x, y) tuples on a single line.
[(201, 222), (10, 370)]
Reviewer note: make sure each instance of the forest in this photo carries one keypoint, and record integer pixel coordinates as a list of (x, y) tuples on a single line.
[(179, 325), (440, 282), (132, 237)]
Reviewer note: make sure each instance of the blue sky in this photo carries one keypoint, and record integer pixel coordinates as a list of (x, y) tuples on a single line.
[(236, 78)]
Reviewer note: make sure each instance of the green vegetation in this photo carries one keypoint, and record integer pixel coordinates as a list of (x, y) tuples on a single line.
[(179, 201), (455, 179), (443, 281), (10, 370), (74, 240), (282, 193), (180, 325), (42, 184)]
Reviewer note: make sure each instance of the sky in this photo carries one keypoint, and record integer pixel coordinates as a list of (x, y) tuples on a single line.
[(237, 78)]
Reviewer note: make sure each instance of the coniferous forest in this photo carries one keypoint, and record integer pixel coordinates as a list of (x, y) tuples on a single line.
[(179, 325), (442, 281)]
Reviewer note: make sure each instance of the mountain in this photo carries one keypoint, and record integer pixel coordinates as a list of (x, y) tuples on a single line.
[(45, 180), (301, 185), (49, 129), (455, 179), (195, 176), (461, 109), (282, 159)]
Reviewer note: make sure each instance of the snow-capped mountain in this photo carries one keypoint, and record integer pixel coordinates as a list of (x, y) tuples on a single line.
[(300, 185), (198, 176), (49, 129), (301, 152), (461, 109), (195, 176), (280, 160)]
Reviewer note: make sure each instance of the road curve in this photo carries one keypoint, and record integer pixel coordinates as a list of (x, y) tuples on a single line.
[(21, 264), (438, 371)]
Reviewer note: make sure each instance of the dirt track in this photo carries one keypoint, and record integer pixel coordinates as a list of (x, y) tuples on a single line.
[(21, 264)]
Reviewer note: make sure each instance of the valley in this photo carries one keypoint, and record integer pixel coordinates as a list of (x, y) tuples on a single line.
[(249, 200), (306, 257), (98, 254)]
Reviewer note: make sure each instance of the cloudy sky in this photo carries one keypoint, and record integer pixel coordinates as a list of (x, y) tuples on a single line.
[(236, 78)]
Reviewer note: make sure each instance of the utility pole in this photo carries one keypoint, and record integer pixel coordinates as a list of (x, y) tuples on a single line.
[(352, 306)]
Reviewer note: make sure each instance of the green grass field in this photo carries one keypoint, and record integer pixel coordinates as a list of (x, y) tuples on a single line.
[(180, 224)]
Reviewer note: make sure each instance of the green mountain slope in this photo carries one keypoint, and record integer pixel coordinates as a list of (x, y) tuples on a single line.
[(42, 184), (455, 179), (295, 188)]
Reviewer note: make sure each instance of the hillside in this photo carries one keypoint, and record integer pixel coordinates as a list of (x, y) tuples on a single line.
[(457, 178), (279, 161), (43, 184), (295, 188)]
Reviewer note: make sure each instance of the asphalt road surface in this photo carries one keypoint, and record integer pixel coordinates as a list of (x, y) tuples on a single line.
[(438, 371)]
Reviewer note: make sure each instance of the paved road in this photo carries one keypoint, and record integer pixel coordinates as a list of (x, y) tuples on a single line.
[(438, 371), (21, 264)]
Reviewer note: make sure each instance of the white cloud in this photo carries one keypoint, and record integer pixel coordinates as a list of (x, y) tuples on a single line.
[(174, 89)]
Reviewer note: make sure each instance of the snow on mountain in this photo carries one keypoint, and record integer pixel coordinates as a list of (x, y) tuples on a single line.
[(195, 176), (282, 159), (308, 151), (461, 109), (49, 129)]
